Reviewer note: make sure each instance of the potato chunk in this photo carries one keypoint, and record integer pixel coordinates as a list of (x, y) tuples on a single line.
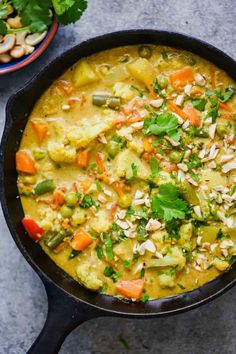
[(124, 250), (101, 223), (142, 70), (84, 74), (122, 165)]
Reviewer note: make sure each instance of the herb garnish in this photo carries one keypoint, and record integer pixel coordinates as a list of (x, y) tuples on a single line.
[(164, 123), (199, 103)]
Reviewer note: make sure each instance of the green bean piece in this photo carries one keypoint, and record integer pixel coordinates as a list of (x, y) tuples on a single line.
[(55, 240), (108, 247), (66, 212), (145, 51), (162, 81), (108, 101), (44, 187), (74, 253)]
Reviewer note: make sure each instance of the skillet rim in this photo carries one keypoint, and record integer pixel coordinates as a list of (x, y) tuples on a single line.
[(35, 266)]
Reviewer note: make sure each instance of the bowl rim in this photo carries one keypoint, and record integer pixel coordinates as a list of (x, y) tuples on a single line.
[(36, 53)]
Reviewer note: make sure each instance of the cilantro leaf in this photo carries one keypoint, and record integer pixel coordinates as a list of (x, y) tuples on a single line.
[(61, 6), (223, 96), (3, 9), (3, 28), (110, 272), (154, 167), (72, 12), (87, 202), (34, 14), (167, 203), (199, 103), (164, 123), (134, 172)]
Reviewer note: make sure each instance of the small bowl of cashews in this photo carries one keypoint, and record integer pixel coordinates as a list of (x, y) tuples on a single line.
[(19, 44)]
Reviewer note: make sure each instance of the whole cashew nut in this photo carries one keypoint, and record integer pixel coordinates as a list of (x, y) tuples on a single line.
[(35, 38), (17, 52), (5, 58), (7, 43), (14, 22)]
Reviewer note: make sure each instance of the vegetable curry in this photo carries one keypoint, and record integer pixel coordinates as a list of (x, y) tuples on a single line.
[(127, 172)]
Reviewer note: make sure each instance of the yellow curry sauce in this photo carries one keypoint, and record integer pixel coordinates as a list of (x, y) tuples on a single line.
[(127, 172)]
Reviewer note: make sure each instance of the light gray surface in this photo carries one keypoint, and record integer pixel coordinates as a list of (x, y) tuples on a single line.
[(23, 303)]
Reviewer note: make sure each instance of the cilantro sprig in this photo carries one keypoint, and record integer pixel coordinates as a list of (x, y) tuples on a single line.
[(168, 204), (223, 96), (160, 124)]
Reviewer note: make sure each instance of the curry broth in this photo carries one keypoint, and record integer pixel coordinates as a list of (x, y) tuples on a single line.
[(191, 259)]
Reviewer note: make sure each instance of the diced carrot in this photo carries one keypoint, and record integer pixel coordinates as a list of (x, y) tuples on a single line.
[(177, 110), (40, 128), (81, 240), (196, 91), (147, 143), (180, 78), (99, 162), (131, 288), (170, 168), (151, 91), (113, 209), (225, 107), (83, 158), (25, 163), (65, 87), (119, 188), (193, 116), (58, 198), (104, 177), (227, 116)]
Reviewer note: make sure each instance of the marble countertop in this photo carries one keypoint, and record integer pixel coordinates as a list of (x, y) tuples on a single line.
[(23, 303)]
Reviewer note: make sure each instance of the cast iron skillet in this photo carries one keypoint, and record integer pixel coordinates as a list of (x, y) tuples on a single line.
[(70, 304)]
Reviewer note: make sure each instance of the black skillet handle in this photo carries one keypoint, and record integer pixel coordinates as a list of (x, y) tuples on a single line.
[(64, 314)]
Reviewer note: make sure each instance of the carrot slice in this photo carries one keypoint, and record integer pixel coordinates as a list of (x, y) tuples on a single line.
[(177, 110), (119, 188), (113, 209), (40, 129), (104, 177), (81, 240), (131, 288), (99, 162), (83, 158), (180, 78), (193, 116), (147, 144), (25, 163), (58, 198), (225, 107)]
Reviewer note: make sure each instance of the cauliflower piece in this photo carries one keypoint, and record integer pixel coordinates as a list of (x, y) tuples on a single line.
[(88, 277), (136, 145), (122, 165), (220, 264), (78, 217), (175, 258), (84, 74), (58, 152), (102, 222), (166, 281), (123, 90), (124, 250), (88, 130), (186, 232)]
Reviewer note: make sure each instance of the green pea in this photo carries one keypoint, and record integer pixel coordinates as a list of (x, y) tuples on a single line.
[(66, 212), (113, 148), (162, 81), (145, 51), (44, 187), (38, 154), (125, 200), (176, 156), (28, 179), (71, 199), (221, 130)]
